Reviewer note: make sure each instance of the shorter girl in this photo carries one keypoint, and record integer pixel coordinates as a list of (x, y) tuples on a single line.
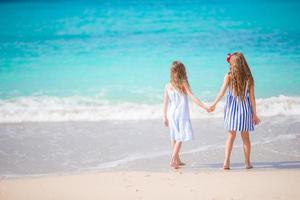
[(176, 110), (240, 109)]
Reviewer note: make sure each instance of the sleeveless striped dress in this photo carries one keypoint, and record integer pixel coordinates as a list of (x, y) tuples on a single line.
[(238, 113)]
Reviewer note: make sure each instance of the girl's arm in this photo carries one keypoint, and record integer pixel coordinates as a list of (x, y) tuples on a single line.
[(194, 98), (221, 92), (256, 120), (165, 106)]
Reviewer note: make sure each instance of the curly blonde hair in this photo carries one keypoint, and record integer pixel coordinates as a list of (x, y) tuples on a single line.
[(240, 75), (179, 77)]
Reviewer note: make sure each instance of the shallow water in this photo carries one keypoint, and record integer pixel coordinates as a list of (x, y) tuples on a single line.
[(34, 149)]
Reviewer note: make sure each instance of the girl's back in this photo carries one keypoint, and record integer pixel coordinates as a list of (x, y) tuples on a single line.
[(178, 104), (237, 112), (178, 115)]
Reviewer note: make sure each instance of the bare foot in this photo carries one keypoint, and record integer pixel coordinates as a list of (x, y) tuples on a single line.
[(226, 167), (182, 163), (248, 166), (174, 165)]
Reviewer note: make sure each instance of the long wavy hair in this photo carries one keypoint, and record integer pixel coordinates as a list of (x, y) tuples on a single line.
[(240, 75), (179, 77)]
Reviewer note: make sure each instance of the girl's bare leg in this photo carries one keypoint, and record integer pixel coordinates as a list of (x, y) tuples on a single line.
[(172, 145), (228, 148), (175, 155), (247, 148)]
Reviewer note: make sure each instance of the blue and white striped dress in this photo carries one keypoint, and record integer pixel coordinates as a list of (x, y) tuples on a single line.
[(238, 113)]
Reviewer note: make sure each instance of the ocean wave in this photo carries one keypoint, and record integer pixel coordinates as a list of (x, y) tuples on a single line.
[(75, 108)]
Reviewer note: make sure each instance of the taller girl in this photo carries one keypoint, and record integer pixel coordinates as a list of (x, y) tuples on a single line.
[(240, 109)]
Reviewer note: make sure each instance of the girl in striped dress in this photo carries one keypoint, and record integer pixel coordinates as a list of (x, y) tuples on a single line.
[(240, 109)]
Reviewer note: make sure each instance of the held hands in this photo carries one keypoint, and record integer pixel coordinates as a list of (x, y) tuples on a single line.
[(210, 108)]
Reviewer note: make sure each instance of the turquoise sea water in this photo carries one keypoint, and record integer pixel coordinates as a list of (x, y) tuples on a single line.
[(75, 56)]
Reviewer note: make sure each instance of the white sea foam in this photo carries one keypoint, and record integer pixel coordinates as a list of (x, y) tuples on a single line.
[(45, 108)]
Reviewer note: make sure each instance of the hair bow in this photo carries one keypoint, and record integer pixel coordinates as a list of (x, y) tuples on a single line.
[(228, 57)]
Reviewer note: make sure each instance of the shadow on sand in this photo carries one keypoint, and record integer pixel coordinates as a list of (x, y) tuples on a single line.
[(256, 165)]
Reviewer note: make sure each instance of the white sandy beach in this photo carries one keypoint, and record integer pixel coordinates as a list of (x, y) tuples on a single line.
[(236, 184)]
